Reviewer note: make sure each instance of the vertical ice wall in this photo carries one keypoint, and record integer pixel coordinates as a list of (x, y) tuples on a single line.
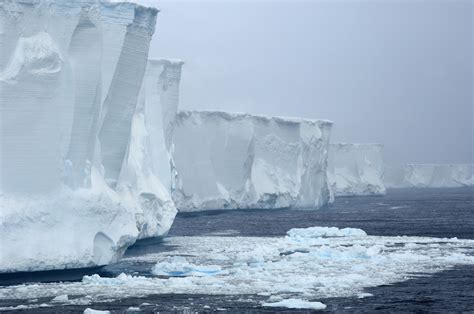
[(356, 169), (68, 69), (149, 166), (230, 161), (121, 100), (429, 175)]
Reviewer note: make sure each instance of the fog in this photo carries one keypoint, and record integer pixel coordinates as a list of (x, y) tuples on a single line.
[(395, 72)]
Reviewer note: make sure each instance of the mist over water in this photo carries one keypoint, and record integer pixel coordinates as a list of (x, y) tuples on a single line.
[(395, 72)]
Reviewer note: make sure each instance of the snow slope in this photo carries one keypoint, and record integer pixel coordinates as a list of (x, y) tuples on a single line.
[(356, 169), (70, 76), (231, 161), (429, 175)]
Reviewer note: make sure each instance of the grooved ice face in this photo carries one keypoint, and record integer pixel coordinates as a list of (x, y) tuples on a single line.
[(230, 161)]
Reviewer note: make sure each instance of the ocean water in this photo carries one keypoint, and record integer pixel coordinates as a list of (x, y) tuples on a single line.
[(439, 213)]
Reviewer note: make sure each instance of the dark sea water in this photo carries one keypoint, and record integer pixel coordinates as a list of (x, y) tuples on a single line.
[(412, 212)]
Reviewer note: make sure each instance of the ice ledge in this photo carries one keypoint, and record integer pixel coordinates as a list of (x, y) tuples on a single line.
[(242, 115)]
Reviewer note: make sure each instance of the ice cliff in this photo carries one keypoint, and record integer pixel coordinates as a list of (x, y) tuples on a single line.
[(149, 168), (429, 175), (70, 77), (356, 169), (234, 161)]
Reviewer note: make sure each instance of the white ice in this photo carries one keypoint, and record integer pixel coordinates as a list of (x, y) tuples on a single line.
[(70, 77), (429, 175), (296, 304), (232, 161), (356, 169), (149, 168), (309, 267)]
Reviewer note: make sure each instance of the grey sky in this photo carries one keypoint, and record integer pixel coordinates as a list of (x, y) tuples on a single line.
[(395, 72)]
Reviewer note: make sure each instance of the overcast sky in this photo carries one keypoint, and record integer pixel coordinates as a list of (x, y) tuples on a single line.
[(395, 72)]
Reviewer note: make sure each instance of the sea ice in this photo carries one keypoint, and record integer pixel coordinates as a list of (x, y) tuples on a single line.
[(233, 161), (180, 267), (92, 311), (324, 232), (311, 268), (356, 169), (296, 304)]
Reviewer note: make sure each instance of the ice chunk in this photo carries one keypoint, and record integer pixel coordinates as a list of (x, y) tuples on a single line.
[(92, 311), (297, 304), (70, 74), (429, 175), (356, 169), (230, 161), (60, 298), (324, 232), (178, 266)]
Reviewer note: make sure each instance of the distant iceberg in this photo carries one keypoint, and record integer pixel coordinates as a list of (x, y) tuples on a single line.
[(356, 169), (429, 175), (236, 161)]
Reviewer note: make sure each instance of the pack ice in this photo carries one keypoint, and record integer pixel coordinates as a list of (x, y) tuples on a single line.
[(70, 77), (235, 161), (356, 169), (429, 175)]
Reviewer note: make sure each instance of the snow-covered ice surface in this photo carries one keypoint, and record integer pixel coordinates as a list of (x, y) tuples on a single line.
[(429, 175), (356, 169), (234, 161), (70, 76), (300, 268)]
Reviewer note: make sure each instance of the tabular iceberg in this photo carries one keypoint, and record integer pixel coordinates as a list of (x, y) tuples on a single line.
[(235, 161), (149, 168), (429, 175), (70, 76), (356, 169)]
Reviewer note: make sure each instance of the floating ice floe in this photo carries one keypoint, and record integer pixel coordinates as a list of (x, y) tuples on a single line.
[(178, 266), (312, 268), (297, 304)]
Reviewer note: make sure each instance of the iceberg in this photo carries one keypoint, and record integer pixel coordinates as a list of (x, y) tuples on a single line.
[(70, 77), (237, 161), (149, 168), (356, 169), (429, 175)]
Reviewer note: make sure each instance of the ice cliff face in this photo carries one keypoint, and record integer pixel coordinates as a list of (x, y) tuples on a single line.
[(70, 77), (231, 161), (149, 167), (429, 176), (356, 169)]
